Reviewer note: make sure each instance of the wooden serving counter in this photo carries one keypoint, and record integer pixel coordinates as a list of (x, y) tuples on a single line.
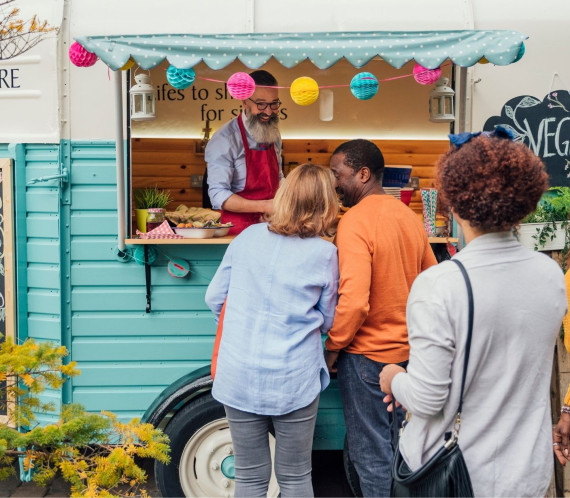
[(229, 238)]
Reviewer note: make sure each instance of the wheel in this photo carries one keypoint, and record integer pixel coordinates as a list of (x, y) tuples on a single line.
[(350, 471), (202, 460)]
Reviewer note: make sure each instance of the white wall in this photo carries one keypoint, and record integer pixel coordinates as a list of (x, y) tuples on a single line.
[(547, 22), (89, 109)]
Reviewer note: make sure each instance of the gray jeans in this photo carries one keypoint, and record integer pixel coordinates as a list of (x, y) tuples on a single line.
[(293, 445)]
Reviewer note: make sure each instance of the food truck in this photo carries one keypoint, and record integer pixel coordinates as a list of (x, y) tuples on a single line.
[(73, 152)]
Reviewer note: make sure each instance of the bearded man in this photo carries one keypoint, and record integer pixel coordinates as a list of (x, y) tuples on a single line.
[(244, 158)]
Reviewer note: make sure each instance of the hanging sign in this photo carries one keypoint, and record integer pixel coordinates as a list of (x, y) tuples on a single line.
[(544, 126)]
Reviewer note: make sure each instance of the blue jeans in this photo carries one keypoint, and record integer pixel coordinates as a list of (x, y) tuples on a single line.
[(367, 422), (293, 446)]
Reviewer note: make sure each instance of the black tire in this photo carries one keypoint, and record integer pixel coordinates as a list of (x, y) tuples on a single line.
[(350, 471), (200, 441), (181, 429)]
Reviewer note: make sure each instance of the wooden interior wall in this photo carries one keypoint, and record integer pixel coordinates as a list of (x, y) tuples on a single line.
[(168, 163)]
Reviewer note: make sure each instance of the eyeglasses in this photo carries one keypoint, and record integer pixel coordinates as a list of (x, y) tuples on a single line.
[(261, 106)]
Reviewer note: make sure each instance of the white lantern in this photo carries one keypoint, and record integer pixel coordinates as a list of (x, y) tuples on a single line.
[(142, 99), (441, 102)]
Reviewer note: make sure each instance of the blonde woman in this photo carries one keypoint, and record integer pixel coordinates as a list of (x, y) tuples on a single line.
[(280, 279)]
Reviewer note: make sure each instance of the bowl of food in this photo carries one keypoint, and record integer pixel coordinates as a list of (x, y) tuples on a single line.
[(222, 230), (195, 232)]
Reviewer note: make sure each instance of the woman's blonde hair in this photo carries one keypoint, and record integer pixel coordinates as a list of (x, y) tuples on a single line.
[(306, 203)]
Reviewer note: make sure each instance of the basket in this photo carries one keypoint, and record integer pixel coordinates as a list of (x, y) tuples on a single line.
[(396, 176)]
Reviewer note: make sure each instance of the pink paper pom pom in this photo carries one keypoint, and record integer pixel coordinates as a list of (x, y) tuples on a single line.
[(241, 86), (81, 57), (426, 76)]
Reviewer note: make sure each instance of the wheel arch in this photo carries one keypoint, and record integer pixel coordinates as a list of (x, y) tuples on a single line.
[(177, 394)]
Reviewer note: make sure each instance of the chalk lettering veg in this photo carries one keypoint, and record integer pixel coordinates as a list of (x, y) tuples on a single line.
[(544, 126)]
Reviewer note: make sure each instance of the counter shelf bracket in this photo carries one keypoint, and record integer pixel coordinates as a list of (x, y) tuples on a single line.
[(147, 278)]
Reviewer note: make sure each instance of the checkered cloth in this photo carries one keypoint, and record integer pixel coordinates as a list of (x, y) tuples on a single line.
[(161, 232)]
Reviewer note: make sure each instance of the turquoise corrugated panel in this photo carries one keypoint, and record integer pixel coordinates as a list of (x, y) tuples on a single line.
[(142, 348), (43, 276), (43, 301), (91, 223), (137, 374), (44, 251), (44, 326), (132, 401), (93, 151), (46, 154), (100, 248), (134, 298), (85, 198), (43, 225), (42, 200), (126, 324), (105, 273), (90, 172)]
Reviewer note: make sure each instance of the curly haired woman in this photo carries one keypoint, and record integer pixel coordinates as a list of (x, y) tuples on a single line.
[(490, 183)]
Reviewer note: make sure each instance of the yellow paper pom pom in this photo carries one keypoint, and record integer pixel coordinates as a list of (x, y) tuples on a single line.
[(483, 60), (130, 63), (304, 90)]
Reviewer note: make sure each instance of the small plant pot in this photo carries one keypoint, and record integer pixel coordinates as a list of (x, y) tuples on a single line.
[(528, 231), (140, 216)]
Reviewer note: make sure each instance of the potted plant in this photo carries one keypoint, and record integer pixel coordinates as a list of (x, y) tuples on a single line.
[(145, 198), (547, 228)]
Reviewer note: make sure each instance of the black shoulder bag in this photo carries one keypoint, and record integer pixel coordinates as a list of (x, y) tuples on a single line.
[(445, 473)]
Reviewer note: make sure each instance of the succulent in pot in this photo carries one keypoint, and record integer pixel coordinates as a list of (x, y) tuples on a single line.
[(147, 198)]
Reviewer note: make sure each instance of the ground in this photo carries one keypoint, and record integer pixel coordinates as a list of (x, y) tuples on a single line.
[(328, 480)]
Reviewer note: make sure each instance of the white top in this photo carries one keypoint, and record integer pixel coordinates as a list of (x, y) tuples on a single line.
[(519, 302)]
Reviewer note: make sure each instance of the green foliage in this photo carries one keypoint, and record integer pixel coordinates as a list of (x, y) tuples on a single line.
[(553, 210), (154, 197), (95, 453)]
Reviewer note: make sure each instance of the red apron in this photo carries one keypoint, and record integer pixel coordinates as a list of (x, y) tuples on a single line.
[(261, 182)]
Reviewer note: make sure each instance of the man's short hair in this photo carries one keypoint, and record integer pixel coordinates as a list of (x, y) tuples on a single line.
[(359, 153), (263, 78)]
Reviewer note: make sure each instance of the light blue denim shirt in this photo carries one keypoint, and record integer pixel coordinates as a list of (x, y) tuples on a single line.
[(281, 296), (225, 159)]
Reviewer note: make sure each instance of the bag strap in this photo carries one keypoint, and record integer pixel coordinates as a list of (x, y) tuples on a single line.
[(394, 424), (469, 328)]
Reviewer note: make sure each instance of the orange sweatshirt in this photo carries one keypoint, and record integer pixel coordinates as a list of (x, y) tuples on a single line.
[(382, 247)]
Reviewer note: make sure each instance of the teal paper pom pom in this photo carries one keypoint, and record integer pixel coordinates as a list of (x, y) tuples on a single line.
[(138, 255), (364, 86), (180, 78)]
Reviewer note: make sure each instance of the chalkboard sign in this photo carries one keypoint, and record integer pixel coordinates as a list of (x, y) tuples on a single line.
[(544, 126)]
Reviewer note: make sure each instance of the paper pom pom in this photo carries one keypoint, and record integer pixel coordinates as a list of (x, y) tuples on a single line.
[(139, 256), (180, 78), (426, 76), (130, 63), (364, 86), (520, 54), (483, 60), (241, 86), (304, 90), (81, 57), (178, 268)]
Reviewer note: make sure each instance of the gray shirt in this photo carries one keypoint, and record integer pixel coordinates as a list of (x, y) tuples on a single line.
[(519, 303), (225, 159)]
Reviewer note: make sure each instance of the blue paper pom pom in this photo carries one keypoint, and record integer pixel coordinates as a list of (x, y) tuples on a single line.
[(364, 86), (180, 78)]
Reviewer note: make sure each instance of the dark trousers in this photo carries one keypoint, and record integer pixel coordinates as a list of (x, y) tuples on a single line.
[(367, 422)]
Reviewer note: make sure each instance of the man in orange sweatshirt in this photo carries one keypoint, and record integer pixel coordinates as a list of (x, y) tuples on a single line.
[(382, 247)]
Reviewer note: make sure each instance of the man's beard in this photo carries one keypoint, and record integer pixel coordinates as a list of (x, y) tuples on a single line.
[(263, 132)]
